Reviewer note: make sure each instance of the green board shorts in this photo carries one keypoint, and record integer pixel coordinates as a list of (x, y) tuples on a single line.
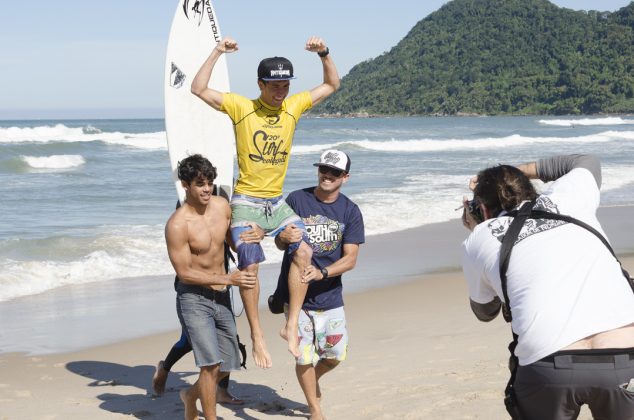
[(271, 214)]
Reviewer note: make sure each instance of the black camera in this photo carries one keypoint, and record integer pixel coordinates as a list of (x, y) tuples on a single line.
[(473, 206), (276, 305)]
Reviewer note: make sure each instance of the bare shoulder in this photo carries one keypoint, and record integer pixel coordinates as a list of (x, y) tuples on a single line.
[(220, 205), (177, 223)]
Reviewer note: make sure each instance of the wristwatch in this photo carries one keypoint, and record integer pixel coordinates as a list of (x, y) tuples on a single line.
[(324, 273), (324, 53)]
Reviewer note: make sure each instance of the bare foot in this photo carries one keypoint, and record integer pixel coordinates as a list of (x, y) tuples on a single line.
[(159, 379), (191, 411), (224, 397), (261, 355), (289, 333), (316, 414)]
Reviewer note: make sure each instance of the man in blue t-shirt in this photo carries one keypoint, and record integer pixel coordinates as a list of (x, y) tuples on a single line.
[(335, 230)]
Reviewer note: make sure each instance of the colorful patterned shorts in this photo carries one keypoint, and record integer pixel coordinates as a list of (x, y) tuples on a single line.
[(322, 335)]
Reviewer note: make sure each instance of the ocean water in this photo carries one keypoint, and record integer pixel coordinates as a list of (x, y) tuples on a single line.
[(87, 200)]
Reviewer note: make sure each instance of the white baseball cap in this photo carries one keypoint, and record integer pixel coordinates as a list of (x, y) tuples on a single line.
[(335, 159)]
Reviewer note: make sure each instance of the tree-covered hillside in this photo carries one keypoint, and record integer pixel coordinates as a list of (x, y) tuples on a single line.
[(499, 57)]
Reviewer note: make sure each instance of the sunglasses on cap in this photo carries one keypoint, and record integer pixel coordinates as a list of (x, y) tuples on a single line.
[(334, 172)]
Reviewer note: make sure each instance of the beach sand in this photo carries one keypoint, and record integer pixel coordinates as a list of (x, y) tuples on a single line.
[(416, 352), (427, 358)]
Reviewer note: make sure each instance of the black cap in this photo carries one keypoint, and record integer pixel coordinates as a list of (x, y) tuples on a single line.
[(275, 68)]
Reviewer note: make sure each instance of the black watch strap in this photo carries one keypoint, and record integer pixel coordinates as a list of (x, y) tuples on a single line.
[(324, 53), (324, 273)]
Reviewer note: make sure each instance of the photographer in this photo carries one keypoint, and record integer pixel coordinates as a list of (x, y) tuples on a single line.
[(572, 307)]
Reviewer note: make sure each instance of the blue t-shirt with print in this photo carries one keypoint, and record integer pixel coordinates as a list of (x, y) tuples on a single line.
[(329, 227)]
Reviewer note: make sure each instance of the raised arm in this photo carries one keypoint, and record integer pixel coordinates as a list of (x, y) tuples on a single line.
[(554, 167), (200, 84), (331, 77), (549, 169)]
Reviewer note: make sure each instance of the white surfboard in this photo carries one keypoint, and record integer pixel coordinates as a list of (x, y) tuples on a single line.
[(193, 126)]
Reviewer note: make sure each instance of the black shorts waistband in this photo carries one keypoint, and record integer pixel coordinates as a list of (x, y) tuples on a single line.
[(590, 356)]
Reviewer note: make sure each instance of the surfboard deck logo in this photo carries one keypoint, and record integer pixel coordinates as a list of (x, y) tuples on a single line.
[(177, 77), (197, 13)]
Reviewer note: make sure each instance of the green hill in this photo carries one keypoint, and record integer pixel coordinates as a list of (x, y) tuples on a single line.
[(499, 57)]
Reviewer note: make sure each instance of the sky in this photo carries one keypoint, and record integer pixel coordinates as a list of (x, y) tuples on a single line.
[(105, 59)]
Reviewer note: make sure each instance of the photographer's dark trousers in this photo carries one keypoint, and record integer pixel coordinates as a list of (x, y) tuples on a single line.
[(555, 387)]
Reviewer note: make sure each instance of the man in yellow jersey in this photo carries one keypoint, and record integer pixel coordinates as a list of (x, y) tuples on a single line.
[(264, 129)]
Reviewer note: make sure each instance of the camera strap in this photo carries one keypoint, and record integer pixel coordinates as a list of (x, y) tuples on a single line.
[(519, 217)]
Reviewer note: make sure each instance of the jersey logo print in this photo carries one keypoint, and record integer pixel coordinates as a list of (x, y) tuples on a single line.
[(324, 234), (268, 148), (272, 119)]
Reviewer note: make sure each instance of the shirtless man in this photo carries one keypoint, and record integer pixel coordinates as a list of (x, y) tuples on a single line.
[(195, 235), (264, 130)]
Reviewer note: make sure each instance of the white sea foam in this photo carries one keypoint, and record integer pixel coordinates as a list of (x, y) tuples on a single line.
[(114, 252), (587, 121), (157, 140), (436, 145), (61, 133), (427, 198), (54, 161), (615, 177), (119, 252), (423, 199)]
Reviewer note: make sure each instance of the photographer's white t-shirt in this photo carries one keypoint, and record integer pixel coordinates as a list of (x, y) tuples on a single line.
[(563, 283)]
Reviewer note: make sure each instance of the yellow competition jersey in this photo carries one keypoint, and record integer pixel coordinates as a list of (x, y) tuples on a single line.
[(264, 136)]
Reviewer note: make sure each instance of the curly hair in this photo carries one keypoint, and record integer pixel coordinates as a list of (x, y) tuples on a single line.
[(196, 166), (503, 187)]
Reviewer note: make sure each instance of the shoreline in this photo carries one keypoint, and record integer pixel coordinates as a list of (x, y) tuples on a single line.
[(76, 317), (416, 351)]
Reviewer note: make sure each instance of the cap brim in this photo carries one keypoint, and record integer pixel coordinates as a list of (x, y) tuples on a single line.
[(329, 166), (272, 79)]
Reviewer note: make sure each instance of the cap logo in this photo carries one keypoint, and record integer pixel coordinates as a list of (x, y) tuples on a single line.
[(331, 158), (280, 72)]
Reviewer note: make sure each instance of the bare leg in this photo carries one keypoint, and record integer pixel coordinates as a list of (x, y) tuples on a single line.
[(308, 381), (250, 299), (205, 390), (207, 382), (323, 366), (297, 293), (189, 397)]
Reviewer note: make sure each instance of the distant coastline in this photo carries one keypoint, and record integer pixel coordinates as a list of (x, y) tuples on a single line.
[(313, 115), (364, 114)]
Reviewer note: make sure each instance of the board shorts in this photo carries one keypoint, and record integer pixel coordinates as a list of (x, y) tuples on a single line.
[(271, 214), (207, 319), (556, 386), (322, 335)]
